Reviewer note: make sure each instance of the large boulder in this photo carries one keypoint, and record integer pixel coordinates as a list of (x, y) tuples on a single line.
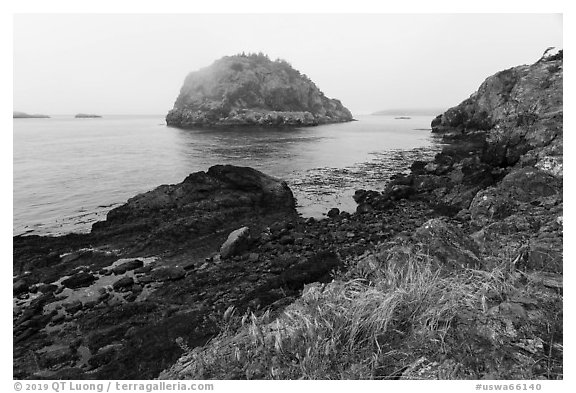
[(123, 283), (19, 286), (79, 280), (127, 266), (238, 241), (168, 273)]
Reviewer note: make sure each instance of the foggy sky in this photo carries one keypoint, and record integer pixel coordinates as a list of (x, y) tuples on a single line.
[(135, 64)]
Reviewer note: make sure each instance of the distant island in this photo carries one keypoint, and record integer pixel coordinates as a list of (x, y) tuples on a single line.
[(252, 90), (22, 115), (87, 116), (409, 112)]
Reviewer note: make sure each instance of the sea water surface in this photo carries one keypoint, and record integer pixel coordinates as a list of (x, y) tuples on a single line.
[(68, 173)]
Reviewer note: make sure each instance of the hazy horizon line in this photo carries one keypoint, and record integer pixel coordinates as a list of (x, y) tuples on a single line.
[(392, 111)]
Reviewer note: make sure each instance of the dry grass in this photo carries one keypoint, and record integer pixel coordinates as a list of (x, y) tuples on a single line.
[(350, 329)]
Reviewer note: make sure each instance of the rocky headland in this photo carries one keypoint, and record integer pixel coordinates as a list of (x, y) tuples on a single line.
[(252, 90), (453, 271)]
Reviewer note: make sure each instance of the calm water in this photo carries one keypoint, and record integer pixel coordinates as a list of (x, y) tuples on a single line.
[(68, 173)]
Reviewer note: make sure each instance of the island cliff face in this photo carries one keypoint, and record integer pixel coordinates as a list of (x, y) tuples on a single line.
[(252, 90)]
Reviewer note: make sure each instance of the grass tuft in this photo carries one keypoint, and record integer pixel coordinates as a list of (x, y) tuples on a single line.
[(354, 328)]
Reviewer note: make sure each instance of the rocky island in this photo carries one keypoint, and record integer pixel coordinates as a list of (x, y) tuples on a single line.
[(22, 115), (453, 271), (87, 116), (252, 90)]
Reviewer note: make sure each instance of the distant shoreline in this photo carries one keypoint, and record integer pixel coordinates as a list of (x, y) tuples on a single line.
[(409, 112), (87, 116)]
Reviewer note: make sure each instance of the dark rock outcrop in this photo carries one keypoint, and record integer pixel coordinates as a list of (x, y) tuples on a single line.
[(82, 279), (252, 90), (510, 129), (203, 203), (168, 273), (519, 95), (521, 111), (19, 286), (126, 266), (123, 283), (160, 247)]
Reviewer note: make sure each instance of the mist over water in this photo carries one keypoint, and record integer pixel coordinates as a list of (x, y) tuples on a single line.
[(68, 173)]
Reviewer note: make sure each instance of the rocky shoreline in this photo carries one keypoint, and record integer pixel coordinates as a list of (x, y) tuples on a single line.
[(472, 288), (249, 118), (142, 265), (143, 293)]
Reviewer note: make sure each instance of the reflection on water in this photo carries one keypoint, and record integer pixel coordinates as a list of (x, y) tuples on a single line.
[(256, 147), (69, 172)]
